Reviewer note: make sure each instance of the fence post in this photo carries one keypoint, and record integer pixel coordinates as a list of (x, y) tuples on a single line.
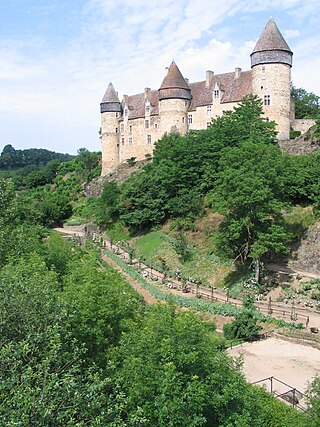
[(228, 295), (269, 306), (271, 385)]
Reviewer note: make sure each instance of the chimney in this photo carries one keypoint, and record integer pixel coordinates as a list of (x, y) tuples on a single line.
[(125, 99), (187, 80), (209, 75), (146, 91), (237, 73)]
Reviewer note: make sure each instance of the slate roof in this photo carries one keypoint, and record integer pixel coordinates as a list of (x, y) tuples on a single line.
[(110, 95), (232, 90), (174, 79), (271, 39), (136, 104)]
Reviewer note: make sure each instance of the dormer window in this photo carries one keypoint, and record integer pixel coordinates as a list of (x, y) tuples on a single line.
[(216, 92)]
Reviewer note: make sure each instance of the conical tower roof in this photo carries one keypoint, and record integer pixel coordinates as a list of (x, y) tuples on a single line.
[(271, 39), (174, 78), (110, 95), (110, 102), (271, 48), (174, 84)]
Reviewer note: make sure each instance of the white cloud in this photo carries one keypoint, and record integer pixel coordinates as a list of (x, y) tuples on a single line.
[(130, 42)]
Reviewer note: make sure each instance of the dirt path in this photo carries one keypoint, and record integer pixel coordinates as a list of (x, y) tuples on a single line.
[(280, 310), (149, 299), (295, 364)]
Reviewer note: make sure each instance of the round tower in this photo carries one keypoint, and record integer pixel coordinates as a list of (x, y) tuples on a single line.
[(174, 101), (110, 108), (271, 62)]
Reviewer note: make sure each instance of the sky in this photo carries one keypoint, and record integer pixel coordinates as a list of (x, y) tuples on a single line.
[(58, 56)]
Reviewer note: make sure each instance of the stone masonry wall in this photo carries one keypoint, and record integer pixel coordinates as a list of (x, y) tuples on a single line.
[(274, 80)]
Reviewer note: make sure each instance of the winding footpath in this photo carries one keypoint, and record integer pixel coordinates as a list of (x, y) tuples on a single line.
[(308, 317)]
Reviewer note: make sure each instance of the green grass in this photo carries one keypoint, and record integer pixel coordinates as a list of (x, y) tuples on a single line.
[(157, 248), (149, 246), (301, 215)]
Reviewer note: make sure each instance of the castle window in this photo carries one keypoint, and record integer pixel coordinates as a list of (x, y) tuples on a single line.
[(122, 128), (149, 139), (122, 141), (146, 124), (156, 125), (130, 128), (266, 100), (183, 120), (209, 111), (130, 141), (208, 125), (189, 119), (216, 94), (117, 130)]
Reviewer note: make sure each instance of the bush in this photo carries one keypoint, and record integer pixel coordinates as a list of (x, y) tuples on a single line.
[(294, 133), (244, 326)]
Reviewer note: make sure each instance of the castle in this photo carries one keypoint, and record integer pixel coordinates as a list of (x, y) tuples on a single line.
[(131, 127)]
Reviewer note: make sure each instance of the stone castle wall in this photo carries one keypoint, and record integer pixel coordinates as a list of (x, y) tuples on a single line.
[(274, 80)]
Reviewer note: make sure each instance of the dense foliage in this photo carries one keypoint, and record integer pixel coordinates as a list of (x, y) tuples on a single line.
[(233, 167), (307, 104), (79, 347), (11, 158)]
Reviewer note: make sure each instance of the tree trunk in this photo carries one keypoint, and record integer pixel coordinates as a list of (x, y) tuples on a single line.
[(257, 272)]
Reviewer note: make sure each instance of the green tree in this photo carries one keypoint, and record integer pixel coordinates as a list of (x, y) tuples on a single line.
[(249, 191), (307, 104), (244, 326)]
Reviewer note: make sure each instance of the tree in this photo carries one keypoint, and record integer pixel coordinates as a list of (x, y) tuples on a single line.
[(244, 326), (249, 191), (307, 104)]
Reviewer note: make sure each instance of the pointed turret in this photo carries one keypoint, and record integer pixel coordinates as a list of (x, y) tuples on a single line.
[(271, 47), (174, 85), (110, 102)]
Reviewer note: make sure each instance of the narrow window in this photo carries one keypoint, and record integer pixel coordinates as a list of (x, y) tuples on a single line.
[(122, 141), (209, 112), (122, 128), (146, 124), (126, 112), (189, 119), (266, 100), (216, 94), (117, 130), (147, 109), (208, 125), (263, 69), (130, 141), (149, 139), (156, 125), (130, 128), (183, 120)]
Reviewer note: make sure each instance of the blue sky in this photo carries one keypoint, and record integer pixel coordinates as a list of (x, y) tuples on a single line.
[(58, 56)]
